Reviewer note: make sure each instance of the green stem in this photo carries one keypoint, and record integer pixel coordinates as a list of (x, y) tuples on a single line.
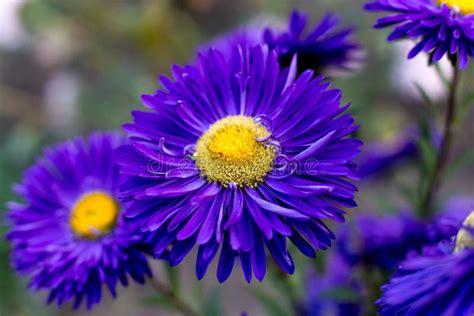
[(180, 305), (289, 291), (372, 288), (434, 183)]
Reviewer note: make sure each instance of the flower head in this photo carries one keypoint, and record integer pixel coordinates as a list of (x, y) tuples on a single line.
[(449, 220), (237, 154), (320, 48), (437, 283), (442, 27), (69, 234), (382, 240)]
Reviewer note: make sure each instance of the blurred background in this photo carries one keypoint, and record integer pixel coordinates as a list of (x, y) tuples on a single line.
[(72, 67)]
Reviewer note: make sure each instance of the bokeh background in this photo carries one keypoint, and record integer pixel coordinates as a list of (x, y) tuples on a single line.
[(71, 67)]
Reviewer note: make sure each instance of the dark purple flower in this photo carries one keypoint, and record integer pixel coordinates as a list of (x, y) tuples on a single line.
[(320, 48), (449, 220), (441, 27), (237, 154), (436, 283), (384, 240), (69, 235), (380, 157)]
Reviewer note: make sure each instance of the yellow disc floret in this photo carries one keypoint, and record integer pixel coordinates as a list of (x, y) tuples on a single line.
[(94, 214), (464, 6), (230, 152), (465, 239)]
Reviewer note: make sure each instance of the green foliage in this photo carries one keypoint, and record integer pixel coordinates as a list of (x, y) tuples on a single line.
[(158, 299), (466, 105), (173, 278), (212, 305), (428, 102), (464, 160), (343, 294), (273, 306)]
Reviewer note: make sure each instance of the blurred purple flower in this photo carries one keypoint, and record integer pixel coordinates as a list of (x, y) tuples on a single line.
[(383, 240), (69, 235), (379, 158), (441, 27), (432, 285), (449, 219), (320, 48), (323, 49), (438, 282)]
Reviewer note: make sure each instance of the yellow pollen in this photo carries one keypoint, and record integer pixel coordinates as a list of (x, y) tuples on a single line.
[(464, 6), (95, 214), (229, 152), (465, 239)]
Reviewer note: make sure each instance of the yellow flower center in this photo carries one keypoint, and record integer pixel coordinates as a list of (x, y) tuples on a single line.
[(95, 214), (464, 238), (464, 6), (230, 152)]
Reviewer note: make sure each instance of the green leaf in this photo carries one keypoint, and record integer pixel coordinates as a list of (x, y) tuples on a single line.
[(273, 306), (173, 278), (462, 161), (427, 99), (429, 155), (466, 104), (411, 194), (343, 294), (212, 306), (194, 296), (428, 151), (442, 75), (159, 300)]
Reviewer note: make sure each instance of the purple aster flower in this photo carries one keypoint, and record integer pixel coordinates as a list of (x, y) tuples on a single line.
[(384, 240), (239, 155), (69, 234), (449, 220), (436, 283), (442, 27), (320, 48)]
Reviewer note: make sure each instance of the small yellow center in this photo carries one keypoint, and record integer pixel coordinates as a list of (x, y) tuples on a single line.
[(95, 214), (230, 152), (465, 239), (464, 6)]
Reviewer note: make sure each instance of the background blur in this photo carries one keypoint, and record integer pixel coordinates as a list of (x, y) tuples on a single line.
[(71, 67)]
